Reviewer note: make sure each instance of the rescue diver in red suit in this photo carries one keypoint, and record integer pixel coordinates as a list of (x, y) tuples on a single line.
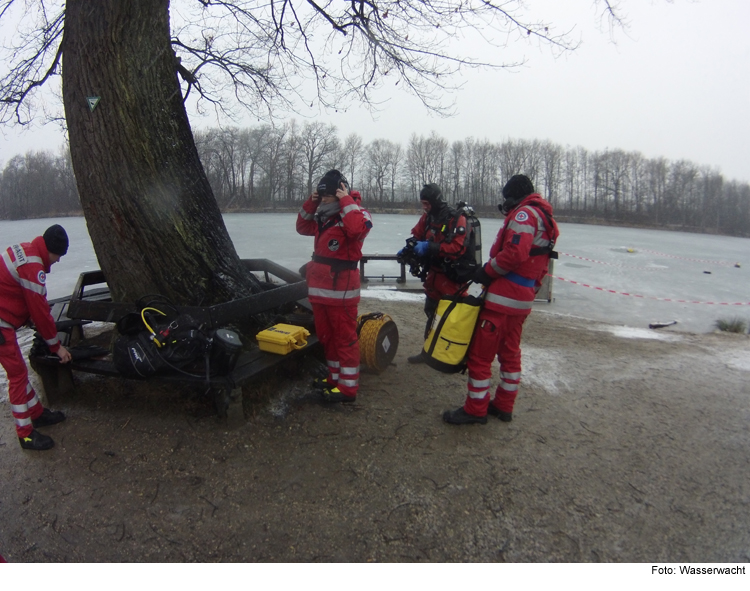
[(23, 295), (437, 242), (518, 262), (340, 226)]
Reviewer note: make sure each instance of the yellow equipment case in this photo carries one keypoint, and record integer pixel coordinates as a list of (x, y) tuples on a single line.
[(282, 338), (378, 340)]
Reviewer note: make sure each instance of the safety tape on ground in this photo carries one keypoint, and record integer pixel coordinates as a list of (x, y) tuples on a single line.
[(612, 264), (674, 256), (635, 295)]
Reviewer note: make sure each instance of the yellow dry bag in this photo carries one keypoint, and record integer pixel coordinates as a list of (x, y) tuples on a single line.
[(447, 344)]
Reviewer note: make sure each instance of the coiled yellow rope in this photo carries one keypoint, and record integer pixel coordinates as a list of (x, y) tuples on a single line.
[(368, 337)]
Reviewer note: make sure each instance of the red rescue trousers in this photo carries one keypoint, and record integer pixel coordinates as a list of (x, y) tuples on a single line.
[(336, 327), (24, 403), (497, 335)]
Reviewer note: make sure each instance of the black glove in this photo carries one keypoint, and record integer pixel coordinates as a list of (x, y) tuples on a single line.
[(480, 276)]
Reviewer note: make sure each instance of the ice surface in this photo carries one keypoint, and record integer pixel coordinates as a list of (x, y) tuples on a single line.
[(653, 266)]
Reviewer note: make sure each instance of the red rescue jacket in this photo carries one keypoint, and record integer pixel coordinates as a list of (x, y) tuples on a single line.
[(436, 231), (517, 274), (333, 274), (23, 293)]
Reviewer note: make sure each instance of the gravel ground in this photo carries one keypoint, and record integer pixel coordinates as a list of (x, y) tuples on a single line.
[(626, 445)]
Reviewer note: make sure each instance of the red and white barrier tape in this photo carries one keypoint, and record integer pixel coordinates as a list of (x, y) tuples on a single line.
[(612, 264), (672, 256), (635, 295)]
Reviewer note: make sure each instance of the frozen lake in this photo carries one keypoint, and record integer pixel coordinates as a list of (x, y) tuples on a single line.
[(656, 269)]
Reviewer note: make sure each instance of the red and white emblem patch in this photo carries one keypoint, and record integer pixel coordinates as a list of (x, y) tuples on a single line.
[(41, 277), (522, 216)]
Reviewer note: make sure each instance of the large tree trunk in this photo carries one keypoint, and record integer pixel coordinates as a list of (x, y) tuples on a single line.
[(152, 217)]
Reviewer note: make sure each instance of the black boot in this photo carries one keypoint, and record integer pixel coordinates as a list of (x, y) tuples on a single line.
[(505, 417), (321, 384), (418, 358), (460, 417), (36, 441), (48, 417), (336, 395)]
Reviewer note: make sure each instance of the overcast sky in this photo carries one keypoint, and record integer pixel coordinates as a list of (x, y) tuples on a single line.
[(675, 84)]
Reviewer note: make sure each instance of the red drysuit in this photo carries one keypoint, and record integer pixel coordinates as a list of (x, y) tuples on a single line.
[(517, 275), (23, 295), (333, 284), (433, 226)]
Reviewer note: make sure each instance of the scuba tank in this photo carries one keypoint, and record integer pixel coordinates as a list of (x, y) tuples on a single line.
[(474, 230), (462, 269)]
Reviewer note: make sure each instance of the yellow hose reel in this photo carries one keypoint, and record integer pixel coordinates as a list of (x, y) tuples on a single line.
[(378, 340)]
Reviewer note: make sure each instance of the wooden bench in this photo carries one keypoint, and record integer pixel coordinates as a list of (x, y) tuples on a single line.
[(96, 304), (57, 378)]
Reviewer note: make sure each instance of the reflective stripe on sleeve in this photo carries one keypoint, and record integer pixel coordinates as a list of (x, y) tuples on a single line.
[(31, 286), (11, 266), (497, 268), (520, 228), (349, 208), (306, 216)]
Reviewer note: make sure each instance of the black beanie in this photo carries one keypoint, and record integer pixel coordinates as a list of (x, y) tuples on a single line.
[(330, 182), (518, 187), (432, 194), (56, 240)]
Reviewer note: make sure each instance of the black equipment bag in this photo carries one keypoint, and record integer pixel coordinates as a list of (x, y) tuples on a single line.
[(136, 356), (160, 338)]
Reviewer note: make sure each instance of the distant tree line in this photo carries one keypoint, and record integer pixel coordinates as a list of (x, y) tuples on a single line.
[(38, 184), (270, 168)]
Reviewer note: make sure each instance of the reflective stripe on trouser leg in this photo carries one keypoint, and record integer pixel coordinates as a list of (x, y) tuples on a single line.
[(325, 332), (509, 356), (333, 371), (481, 355), (345, 346), (349, 378), (25, 405)]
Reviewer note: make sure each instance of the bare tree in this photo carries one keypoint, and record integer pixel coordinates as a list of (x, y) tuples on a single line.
[(319, 145), (292, 150), (351, 156), (425, 159), (272, 162), (379, 158), (150, 211)]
